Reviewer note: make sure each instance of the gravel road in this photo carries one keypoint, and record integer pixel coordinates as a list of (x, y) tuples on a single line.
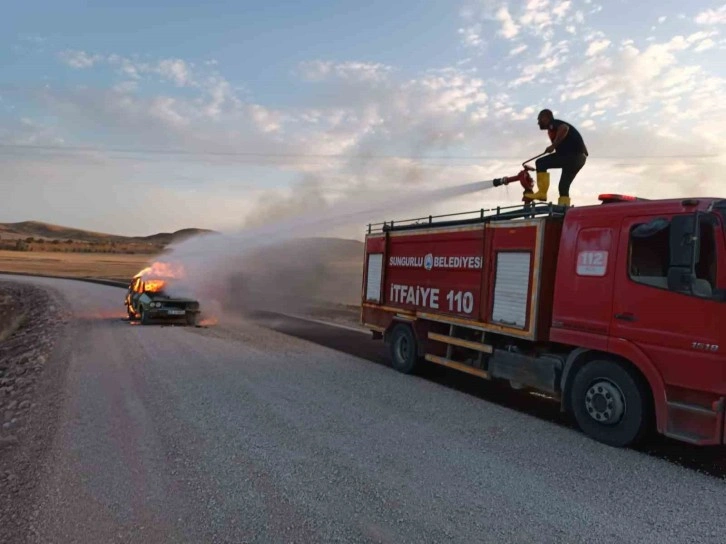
[(169, 434)]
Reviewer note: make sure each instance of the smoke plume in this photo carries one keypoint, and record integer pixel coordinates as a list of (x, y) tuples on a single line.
[(284, 265)]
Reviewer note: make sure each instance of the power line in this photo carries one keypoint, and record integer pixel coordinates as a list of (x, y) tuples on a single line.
[(362, 156)]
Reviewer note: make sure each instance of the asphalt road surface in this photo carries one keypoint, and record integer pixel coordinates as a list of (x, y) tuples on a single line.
[(248, 434)]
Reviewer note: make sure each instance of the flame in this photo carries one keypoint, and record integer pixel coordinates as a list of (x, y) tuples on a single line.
[(209, 321), (154, 286), (158, 275), (162, 270), (143, 272)]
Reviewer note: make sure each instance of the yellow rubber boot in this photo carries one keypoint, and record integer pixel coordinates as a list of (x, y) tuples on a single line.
[(563, 201), (543, 185)]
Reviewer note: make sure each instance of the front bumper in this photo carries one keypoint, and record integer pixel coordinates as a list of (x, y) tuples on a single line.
[(170, 313)]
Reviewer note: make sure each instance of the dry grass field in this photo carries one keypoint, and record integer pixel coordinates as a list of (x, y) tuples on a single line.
[(77, 265)]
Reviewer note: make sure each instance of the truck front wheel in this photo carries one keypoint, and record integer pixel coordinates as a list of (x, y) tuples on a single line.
[(610, 403), (403, 349)]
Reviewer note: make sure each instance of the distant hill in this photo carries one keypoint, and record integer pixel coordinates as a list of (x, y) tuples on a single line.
[(37, 229), (166, 238), (46, 231)]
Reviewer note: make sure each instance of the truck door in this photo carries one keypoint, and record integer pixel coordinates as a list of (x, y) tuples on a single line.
[(680, 332)]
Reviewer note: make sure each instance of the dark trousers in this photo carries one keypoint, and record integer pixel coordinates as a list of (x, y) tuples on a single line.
[(570, 164)]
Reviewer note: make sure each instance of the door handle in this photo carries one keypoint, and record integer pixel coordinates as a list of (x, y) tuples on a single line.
[(627, 316)]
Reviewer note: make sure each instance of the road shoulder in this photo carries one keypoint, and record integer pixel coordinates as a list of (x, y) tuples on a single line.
[(33, 326)]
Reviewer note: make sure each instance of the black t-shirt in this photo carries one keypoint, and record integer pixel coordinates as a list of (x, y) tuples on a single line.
[(573, 143)]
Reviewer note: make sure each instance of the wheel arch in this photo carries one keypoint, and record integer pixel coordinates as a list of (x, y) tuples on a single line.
[(629, 356)]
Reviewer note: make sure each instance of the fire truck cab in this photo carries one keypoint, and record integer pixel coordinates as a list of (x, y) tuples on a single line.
[(613, 309)]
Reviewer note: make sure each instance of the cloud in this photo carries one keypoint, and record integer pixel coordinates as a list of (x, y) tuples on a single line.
[(366, 127), (471, 35), (705, 45), (175, 70), (560, 10), (126, 86), (538, 16), (434, 111), (509, 29), (79, 59), (319, 70), (266, 120), (526, 113), (27, 131), (220, 97), (540, 19), (634, 75), (540, 68), (712, 16), (596, 47)]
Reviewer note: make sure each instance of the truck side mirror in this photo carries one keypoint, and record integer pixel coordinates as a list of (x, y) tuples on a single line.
[(680, 279), (684, 250)]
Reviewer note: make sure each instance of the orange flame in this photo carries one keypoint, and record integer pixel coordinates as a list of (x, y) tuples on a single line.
[(209, 321), (162, 270), (154, 286)]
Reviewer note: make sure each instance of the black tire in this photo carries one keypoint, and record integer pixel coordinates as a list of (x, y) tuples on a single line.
[(403, 349), (191, 319), (144, 317), (610, 403)]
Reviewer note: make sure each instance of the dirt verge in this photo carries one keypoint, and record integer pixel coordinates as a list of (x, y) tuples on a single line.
[(31, 323)]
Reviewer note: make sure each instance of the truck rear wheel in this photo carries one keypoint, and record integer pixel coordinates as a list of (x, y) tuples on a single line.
[(610, 403), (403, 349)]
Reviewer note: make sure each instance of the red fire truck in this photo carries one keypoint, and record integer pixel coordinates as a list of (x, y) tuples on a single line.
[(616, 310)]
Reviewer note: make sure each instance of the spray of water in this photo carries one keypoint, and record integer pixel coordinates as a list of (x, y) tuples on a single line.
[(269, 267)]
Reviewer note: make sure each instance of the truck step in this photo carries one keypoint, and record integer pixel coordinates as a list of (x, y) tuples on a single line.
[(456, 365), (693, 408), (690, 438), (477, 346)]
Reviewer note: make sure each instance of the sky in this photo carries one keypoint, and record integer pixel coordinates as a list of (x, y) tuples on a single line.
[(139, 117)]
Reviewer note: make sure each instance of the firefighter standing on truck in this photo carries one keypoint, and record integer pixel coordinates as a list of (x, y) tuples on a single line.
[(570, 155)]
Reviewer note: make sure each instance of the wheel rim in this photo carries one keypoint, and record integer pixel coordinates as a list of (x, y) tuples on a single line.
[(605, 402), (402, 349)]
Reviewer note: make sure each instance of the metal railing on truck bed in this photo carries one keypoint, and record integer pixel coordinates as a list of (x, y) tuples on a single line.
[(500, 213)]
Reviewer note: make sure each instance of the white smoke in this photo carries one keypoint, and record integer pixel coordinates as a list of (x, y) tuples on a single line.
[(268, 267)]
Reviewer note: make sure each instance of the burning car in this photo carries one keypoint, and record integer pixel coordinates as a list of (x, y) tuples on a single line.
[(148, 300)]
